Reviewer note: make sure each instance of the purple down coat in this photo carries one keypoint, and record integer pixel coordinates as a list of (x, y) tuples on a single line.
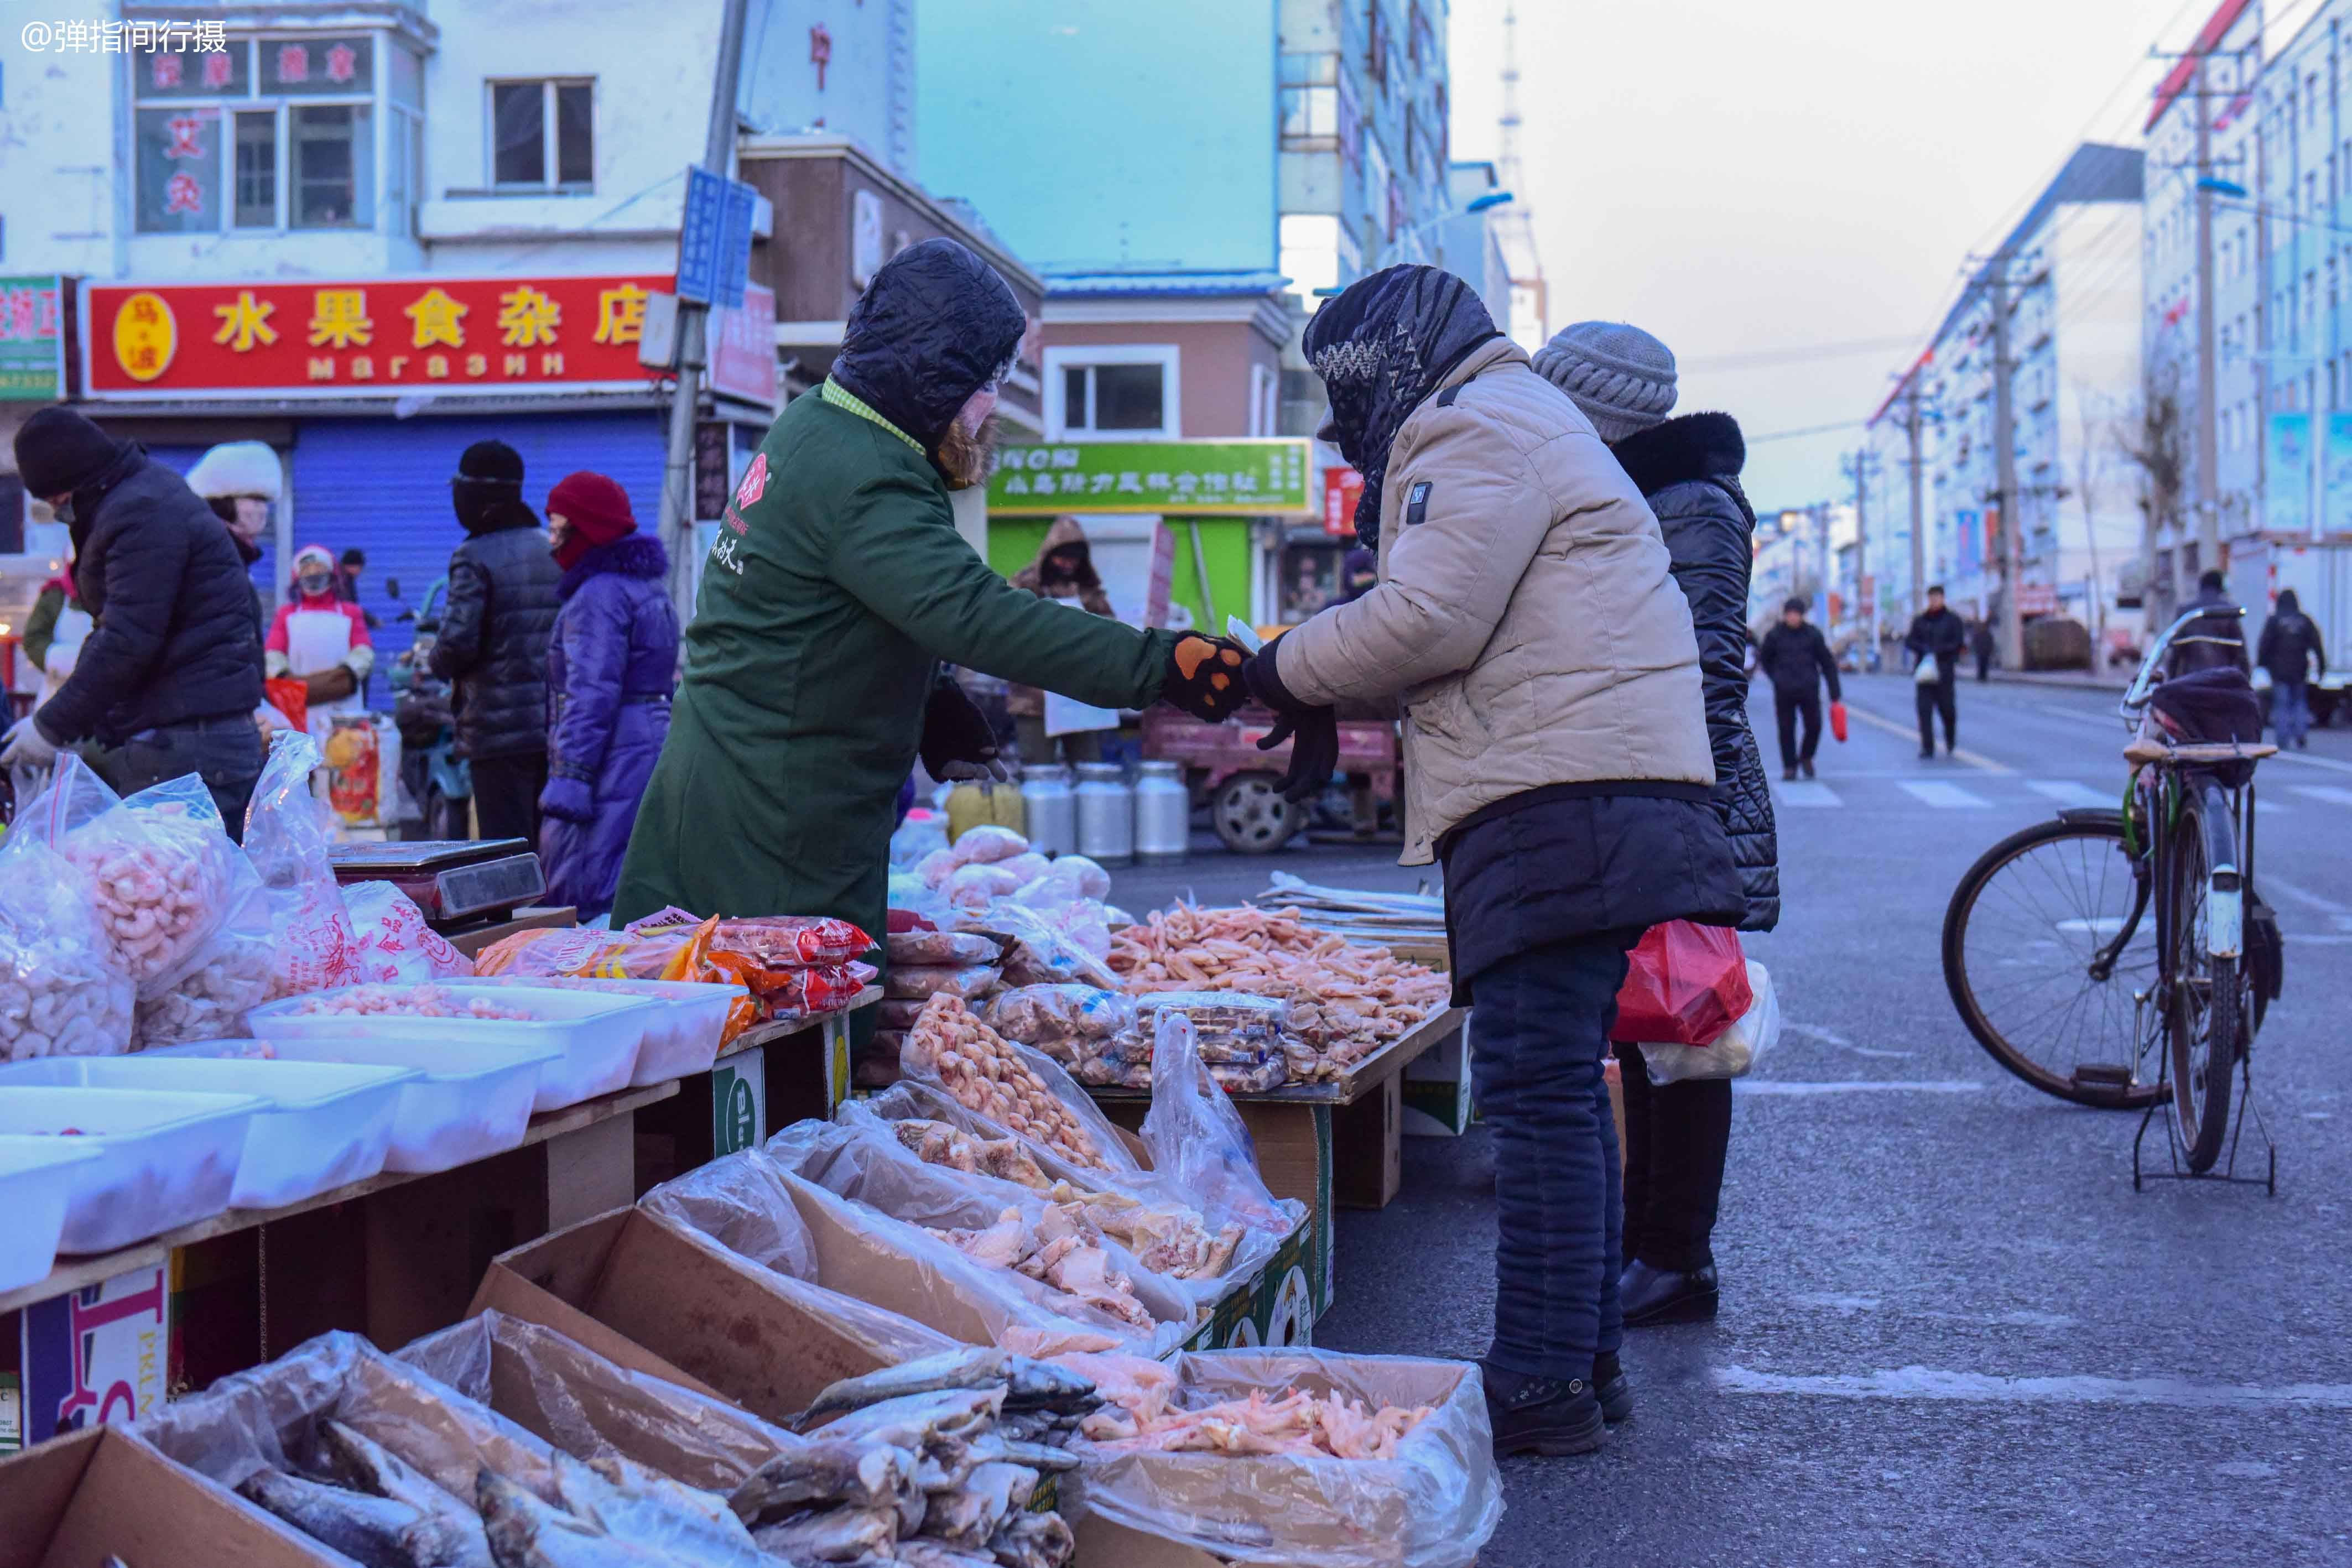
[(610, 671)]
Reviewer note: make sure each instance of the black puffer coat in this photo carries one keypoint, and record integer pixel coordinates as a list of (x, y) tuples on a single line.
[(494, 636), (178, 636), (1688, 470)]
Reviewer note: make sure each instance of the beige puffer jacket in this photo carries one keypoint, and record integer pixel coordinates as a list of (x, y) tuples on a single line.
[(1524, 615)]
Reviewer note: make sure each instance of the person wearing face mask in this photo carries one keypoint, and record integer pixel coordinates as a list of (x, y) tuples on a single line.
[(1064, 569), (171, 672), (240, 481), (836, 588), (322, 641), (492, 645)]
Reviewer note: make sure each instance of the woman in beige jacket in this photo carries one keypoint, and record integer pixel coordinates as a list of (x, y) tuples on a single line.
[(1557, 762)]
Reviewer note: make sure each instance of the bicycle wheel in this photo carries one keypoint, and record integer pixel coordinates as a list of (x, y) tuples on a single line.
[(2208, 1004), (2048, 947)]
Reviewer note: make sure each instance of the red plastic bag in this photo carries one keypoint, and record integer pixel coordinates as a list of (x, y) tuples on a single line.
[(1687, 985), (1837, 721)]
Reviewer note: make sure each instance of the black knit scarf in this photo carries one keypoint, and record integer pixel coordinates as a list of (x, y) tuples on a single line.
[(1381, 347)]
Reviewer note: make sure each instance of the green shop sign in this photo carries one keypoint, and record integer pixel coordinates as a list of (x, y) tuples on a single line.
[(1196, 478), (32, 339)]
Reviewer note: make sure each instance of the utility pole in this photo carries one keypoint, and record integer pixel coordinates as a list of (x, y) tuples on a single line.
[(2209, 444), (1866, 597), (2004, 446), (686, 402), (1919, 514)]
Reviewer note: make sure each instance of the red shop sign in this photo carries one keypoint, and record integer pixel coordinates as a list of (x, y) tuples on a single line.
[(375, 336), (1342, 486)]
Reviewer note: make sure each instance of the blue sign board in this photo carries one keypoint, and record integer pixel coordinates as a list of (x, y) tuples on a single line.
[(735, 244), (701, 237)]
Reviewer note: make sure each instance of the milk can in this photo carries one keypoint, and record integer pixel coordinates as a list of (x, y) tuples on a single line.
[(1106, 813), (1163, 812), (1053, 810)]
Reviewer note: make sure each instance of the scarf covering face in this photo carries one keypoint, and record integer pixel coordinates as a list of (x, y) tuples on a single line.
[(1382, 347)]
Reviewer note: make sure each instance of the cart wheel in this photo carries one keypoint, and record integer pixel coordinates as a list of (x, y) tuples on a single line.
[(1250, 817)]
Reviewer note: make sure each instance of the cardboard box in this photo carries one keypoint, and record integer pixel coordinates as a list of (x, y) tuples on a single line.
[(1274, 1306), (550, 917), (1437, 1103), (99, 1493), (1293, 1142)]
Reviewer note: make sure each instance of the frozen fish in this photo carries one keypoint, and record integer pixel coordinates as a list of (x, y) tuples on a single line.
[(924, 1553), (1034, 1540), (650, 1512), (447, 1531), (969, 1515), (978, 1368), (864, 1475), (916, 1420), (1044, 1457), (840, 1535), (525, 1532), (374, 1532)]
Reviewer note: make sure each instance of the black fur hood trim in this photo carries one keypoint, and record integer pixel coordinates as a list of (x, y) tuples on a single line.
[(1690, 446)]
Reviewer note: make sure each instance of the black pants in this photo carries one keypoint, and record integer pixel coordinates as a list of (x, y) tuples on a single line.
[(1786, 707), (1542, 1035), (1934, 697), (225, 753), (1984, 666), (1676, 1135), (506, 795)]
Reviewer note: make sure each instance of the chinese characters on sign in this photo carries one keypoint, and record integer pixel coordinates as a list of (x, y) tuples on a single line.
[(122, 38), (32, 339), (354, 339), (1238, 478)]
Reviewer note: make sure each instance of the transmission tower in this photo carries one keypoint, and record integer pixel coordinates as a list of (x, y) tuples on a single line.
[(1514, 227)]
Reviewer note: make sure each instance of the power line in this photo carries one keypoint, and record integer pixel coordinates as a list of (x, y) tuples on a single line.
[(1796, 352), (1809, 430)]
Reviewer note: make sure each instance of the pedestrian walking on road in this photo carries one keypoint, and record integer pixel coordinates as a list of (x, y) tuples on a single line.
[(1556, 761), (1934, 642), (2216, 639), (1981, 645), (1796, 659), (492, 645), (2290, 644), (1678, 1135)]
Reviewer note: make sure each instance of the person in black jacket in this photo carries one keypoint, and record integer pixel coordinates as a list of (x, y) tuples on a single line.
[(1980, 646), (1795, 657), (1938, 634), (2291, 640), (170, 676), (1678, 1135), (492, 645), (2216, 639)]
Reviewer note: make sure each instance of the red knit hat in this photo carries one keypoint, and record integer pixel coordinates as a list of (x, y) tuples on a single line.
[(595, 508)]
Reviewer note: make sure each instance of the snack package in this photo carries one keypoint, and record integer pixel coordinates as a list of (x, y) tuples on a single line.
[(771, 941), (312, 947), (919, 982), (392, 942), (63, 989), (1066, 1021), (1042, 954), (1243, 1039), (354, 771), (950, 948)]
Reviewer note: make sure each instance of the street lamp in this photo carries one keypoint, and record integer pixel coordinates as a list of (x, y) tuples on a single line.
[(1475, 204)]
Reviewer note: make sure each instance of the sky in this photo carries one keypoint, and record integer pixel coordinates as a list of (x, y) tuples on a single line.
[(1797, 184)]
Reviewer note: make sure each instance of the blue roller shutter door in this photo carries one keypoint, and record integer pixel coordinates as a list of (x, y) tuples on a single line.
[(180, 459)]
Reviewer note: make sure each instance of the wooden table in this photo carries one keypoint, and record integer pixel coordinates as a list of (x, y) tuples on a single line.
[(801, 1068)]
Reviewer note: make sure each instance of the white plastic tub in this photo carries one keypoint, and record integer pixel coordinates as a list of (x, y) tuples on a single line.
[(327, 1124), (165, 1158), (468, 1101), (595, 1038), (36, 1180), (681, 1039)]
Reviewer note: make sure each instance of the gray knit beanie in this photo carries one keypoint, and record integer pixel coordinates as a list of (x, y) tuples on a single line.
[(1621, 378)]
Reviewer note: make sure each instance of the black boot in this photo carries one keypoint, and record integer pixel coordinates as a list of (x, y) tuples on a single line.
[(1808, 766), (1789, 773), (1541, 1415), (1609, 1387), (1653, 1296)]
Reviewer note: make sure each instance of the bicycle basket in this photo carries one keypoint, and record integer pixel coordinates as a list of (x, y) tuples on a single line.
[(2208, 706)]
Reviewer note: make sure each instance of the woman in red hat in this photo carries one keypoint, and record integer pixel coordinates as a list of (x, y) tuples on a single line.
[(610, 671)]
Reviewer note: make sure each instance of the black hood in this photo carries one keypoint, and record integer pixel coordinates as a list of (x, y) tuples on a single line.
[(935, 325), (2288, 604), (1692, 446)]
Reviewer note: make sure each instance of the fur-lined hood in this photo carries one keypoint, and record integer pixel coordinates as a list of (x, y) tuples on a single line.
[(1690, 446)]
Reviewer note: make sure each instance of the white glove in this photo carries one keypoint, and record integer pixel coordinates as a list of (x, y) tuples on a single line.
[(28, 746)]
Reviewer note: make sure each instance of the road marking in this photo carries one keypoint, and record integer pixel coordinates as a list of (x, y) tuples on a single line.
[(2332, 794), (2069, 793), (1858, 1086), (1801, 793), (2325, 905), (1910, 733), (1979, 1388), (2309, 760), (1947, 796)]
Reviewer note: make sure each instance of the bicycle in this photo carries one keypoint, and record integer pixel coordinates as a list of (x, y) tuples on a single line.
[(2104, 957)]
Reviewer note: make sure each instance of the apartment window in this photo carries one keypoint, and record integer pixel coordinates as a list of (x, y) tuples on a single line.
[(271, 133), (1376, 44), (1127, 392), (1310, 102), (543, 135)]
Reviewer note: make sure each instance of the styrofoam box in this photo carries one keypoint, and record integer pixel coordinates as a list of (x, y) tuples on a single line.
[(682, 1039), (37, 1178), (166, 1158), (327, 1124), (470, 1101), (596, 1037)]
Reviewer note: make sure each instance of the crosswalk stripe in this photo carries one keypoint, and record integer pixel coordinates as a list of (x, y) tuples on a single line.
[(2332, 794), (1936, 792), (2072, 792), (1807, 794)]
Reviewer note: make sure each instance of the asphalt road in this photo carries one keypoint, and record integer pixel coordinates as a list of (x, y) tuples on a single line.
[(1951, 1331)]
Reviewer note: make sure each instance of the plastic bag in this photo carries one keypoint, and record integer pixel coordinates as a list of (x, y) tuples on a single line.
[(1062, 1020), (935, 867), (988, 843), (1731, 1053), (954, 948), (1002, 1083), (392, 943), (1196, 1137), (234, 972), (1434, 1505), (1041, 955), (920, 982), (353, 770), (1685, 984), (973, 886), (163, 873), (1082, 877), (1026, 867), (1926, 671), (312, 944), (63, 990), (922, 832)]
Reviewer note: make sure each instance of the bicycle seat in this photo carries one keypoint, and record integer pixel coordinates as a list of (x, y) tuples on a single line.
[(2145, 750)]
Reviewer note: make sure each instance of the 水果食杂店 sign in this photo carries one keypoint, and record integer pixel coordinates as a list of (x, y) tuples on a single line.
[(32, 339), (377, 337), (1261, 477)]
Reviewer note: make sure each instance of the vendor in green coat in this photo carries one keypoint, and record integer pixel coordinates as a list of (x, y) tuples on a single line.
[(837, 587)]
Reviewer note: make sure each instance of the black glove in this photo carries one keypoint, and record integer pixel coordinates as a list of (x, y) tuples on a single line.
[(1313, 732), (1204, 676), (956, 741)]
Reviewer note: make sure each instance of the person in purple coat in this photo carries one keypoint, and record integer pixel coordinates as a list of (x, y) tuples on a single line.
[(610, 671)]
